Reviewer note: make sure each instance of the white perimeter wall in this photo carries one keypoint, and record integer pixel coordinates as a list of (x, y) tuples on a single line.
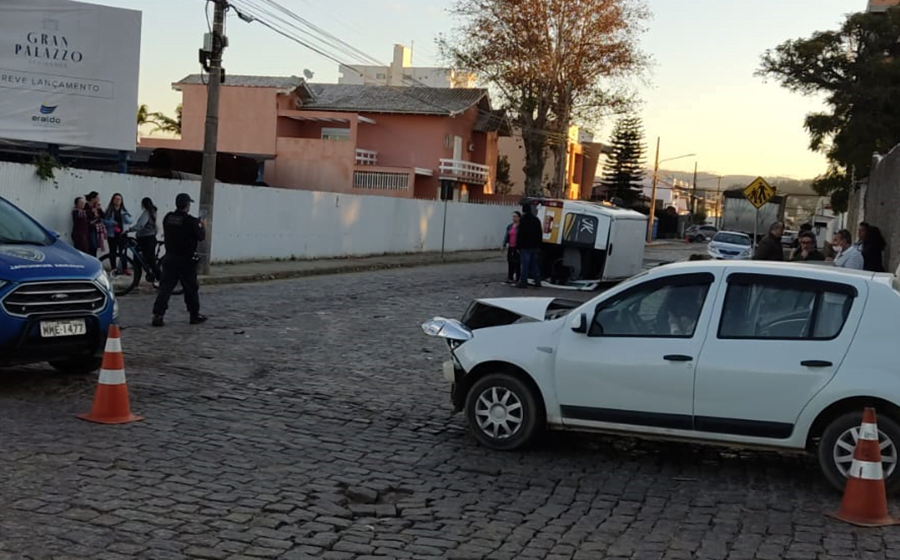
[(260, 223)]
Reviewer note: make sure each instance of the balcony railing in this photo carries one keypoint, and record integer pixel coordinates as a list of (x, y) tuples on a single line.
[(464, 171), (381, 180), (366, 157)]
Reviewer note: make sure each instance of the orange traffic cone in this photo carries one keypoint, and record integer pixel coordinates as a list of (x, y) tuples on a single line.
[(865, 499), (111, 398)]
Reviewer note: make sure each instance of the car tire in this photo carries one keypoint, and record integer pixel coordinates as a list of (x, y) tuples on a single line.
[(503, 412), (78, 365), (838, 437)]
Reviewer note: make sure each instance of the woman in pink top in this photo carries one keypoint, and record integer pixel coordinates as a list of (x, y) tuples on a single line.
[(512, 252)]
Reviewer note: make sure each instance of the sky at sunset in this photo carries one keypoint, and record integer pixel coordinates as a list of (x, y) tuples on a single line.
[(701, 96)]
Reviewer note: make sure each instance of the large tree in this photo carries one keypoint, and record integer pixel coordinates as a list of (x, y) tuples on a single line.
[(548, 59), (857, 70), (623, 172)]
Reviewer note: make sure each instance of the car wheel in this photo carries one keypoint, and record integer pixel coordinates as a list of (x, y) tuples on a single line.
[(839, 440), (503, 412), (78, 365)]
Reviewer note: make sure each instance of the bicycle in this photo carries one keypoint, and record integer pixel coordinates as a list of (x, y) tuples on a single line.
[(133, 266)]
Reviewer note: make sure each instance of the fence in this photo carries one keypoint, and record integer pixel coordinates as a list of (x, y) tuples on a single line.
[(262, 223)]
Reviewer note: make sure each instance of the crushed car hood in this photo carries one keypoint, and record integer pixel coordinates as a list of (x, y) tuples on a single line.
[(494, 312)]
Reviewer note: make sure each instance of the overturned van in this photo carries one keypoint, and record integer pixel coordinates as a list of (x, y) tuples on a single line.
[(589, 243)]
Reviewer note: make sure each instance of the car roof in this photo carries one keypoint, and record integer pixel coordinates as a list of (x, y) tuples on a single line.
[(824, 272), (734, 233)]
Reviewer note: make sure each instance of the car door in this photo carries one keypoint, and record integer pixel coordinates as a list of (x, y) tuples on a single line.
[(776, 342), (635, 364)]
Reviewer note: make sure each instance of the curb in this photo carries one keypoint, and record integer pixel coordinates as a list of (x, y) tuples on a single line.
[(337, 269)]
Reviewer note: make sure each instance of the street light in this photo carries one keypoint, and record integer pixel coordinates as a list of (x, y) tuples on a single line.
[(653, 196)]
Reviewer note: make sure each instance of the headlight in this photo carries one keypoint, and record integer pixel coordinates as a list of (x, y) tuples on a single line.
[(447, 328), (104, 282)]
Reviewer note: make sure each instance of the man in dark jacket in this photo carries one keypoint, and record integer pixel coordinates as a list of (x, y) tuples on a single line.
[(529, 238), (871, 244), (769, 247), (182, 232)]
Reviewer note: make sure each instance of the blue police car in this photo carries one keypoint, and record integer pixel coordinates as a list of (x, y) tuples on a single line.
[(56, 303)]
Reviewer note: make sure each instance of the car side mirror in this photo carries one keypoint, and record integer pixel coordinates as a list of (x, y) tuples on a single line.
[(580, 324), (55, 234)]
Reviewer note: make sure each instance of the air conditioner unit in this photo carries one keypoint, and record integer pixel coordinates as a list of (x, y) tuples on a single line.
[(471, 146)]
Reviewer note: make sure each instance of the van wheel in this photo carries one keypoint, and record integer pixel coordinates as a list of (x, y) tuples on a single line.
[(78, 365), (503, 412), (835, 451)]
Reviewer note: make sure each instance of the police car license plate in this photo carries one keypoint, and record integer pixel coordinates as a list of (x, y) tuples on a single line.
[(71, 327)]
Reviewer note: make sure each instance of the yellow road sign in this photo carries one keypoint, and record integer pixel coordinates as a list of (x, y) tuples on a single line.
[(759, 192)]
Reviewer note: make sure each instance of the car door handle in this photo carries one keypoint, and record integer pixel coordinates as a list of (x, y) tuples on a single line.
[(815, 363), (677, 358)]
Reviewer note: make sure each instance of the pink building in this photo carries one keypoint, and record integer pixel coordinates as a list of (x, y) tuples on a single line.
[(393, 141)]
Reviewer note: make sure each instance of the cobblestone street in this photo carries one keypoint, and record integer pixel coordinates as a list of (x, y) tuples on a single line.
[(309, 419)]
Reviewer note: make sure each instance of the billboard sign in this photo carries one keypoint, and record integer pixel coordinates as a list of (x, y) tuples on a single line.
[(69, 73)]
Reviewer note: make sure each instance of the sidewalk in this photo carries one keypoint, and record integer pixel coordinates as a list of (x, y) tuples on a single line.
[(276, 270)]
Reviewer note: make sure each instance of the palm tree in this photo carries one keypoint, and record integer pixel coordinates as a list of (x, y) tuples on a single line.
[(165, 123), (143, 115)]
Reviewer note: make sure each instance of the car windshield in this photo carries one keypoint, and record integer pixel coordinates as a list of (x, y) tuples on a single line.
[(732, 239), (16, 228)]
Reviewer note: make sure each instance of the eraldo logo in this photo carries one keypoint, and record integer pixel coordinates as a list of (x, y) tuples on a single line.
[(45, 118)]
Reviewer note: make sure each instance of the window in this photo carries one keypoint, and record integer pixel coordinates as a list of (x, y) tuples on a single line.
[(18, 229), (781, 308), (732, 239), (663, 308), (335, 134)]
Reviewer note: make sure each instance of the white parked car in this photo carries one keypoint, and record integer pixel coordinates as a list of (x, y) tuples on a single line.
[(728, 245), (756, 354)]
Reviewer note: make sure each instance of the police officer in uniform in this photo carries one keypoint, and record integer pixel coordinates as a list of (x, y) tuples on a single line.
[(182, 232)]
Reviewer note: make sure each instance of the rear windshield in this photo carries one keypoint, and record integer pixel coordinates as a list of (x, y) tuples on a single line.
[(16, 228), (732, 238)]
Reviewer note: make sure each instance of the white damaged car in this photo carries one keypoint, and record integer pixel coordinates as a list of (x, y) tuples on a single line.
[(753, 354)]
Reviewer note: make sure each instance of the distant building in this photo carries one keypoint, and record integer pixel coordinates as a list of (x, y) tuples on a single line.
[(881, 5), (401, 72), (581, 167), (359, 139)]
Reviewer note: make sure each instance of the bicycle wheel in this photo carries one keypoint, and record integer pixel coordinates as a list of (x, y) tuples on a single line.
[(122, 283)]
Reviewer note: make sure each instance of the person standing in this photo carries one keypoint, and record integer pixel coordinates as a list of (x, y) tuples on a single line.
[(81, 227), (182, 232), (116, 219), (846, 254), (97, 237), (512, 251), (871, 244), (529, 236), (769, 247), (807, 250), (145, 231)]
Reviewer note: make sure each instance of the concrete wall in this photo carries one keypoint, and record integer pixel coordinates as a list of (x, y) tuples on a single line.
[(258, 223), (247, 119), (882, 202)]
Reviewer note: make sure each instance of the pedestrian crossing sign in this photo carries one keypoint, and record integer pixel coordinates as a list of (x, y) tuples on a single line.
[(759, 192)]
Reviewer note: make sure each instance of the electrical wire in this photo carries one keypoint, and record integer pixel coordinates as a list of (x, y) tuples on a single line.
[(278, 24)]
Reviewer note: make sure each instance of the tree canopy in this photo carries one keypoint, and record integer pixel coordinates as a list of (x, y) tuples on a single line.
[(623, 171), (548, 59), (857, 70)]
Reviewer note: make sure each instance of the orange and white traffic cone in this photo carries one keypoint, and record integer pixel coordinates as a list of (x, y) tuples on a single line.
[(865, 499), (111, 398)]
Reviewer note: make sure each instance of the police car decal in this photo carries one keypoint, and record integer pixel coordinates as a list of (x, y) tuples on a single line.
[(23, 253)]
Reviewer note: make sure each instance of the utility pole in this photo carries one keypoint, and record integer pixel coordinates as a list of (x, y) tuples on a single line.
[(719, 203), (653, 195), (208, 182), (694, 193)]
